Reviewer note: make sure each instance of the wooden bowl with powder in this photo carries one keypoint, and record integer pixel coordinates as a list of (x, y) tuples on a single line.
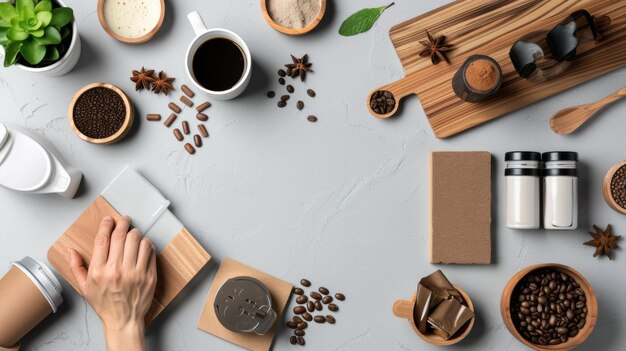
[(131, 21), (293, 17)]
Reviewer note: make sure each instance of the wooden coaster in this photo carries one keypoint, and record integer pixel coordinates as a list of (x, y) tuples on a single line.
[(179, 261), (280, 291)]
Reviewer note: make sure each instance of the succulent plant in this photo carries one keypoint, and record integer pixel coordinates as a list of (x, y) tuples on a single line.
[(34, 30)]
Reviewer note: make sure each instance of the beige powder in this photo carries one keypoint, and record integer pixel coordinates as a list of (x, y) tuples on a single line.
[(293, 13)]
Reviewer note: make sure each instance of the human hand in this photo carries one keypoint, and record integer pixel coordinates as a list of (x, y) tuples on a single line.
[(119, 283)]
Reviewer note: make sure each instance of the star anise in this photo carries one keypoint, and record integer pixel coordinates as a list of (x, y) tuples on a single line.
[(435, 48), (299, 67), (604, 241), (143, 78), (163, 84)]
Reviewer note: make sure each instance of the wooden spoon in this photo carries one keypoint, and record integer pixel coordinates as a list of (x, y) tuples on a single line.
[(569, 119)]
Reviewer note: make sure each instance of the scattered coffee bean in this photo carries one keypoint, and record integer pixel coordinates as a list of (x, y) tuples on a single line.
[(187, 90), (297, 319), (284, 97), (316, 295), (197, 140), (327, 299), (310, 306), (153, 117), (340, 296), (310, 92), (299, 310), (290, 89), (302, 299), (293, 340), (318, 306), (281, 103), (300, 105), (179, 136), (203, 131), (307, 316), (190, 149), (301, 341), (185, 100), (298, 291), (305, 282), (168, 122), (323, 290), (281, 72), (319, 319), (299, 332), (271, 94), (281, 81), (99, 113), (382, 102), (330, 319), (174, 107), (333, 307), (202, 117), (291, 325), (203, 106), (303, 325), (186, 127), (312, 119)]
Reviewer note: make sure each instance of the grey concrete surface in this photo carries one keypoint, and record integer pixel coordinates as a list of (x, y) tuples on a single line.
[(343, 202)]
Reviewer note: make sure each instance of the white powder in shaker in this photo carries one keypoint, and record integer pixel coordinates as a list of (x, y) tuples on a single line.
[(293, 13)]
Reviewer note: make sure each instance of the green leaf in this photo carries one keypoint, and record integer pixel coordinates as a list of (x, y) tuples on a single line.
[(17, 35), (361, 21), (52, 54), (65, 32), (27, 13), (7, 11), (3, 37), (44, 5), (51, 37), (10, 53), (32, 51), (45, 17), (61, 16), (25, 5), (37, 33), (5, 23)]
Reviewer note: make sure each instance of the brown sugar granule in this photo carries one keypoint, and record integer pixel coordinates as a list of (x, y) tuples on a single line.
[(99, 113)]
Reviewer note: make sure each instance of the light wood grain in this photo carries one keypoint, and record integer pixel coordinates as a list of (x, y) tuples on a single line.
[(404, 309), (592, 307), (139, 40), (491, 27), (293, 31), (279, 289), (128, 119), (179, 261), (606, 188), (570, 119)]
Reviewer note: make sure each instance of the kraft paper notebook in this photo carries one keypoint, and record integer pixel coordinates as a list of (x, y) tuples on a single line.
[(180, 257)]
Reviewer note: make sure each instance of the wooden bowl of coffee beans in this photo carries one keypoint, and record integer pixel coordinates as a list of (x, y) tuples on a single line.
[(614, 187), (549, 307), (101, 113)]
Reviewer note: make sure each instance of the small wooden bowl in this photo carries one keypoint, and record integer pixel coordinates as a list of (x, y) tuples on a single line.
[(592, 307), (128, 119), (606, 188), (404, 309), (293, 31), (138, 40)]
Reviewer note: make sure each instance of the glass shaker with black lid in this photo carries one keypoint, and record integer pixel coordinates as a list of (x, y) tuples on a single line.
[(560, 188), (523, 194)]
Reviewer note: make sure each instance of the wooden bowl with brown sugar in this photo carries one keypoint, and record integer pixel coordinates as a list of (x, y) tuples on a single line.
[(591, 304), (404, 309), (101, 113), (265, 4), (615, 175)]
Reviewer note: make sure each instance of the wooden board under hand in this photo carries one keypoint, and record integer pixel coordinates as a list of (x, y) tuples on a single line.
[(491, 27), (179, 261)]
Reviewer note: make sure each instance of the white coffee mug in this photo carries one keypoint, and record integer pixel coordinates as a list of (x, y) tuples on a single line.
[(202, 35)]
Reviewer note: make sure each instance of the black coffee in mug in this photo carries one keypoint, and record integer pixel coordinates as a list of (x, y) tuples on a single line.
[(218, 64)]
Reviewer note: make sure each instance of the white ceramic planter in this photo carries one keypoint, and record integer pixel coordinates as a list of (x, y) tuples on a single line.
[(67, 62)]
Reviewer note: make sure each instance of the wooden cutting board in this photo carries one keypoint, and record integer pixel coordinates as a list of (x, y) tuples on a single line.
[(491, 27), (179, 261)]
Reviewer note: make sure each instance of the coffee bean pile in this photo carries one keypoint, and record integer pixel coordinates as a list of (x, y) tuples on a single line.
[(618, 186), (309, 305), (176, 110), (548, 307), (99, 113), (382, 102), (283, 100)]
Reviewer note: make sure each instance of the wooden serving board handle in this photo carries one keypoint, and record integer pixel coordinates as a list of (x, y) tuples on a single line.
[(400, 89)]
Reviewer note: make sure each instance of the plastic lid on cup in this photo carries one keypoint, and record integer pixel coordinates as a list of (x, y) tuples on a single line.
[(44, 279)]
